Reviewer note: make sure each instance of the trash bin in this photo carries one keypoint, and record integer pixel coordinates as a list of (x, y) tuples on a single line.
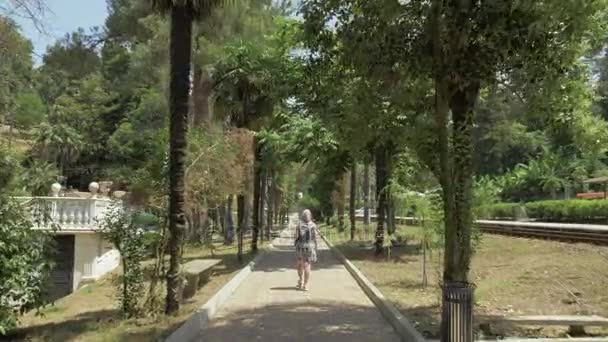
[(457, 312)]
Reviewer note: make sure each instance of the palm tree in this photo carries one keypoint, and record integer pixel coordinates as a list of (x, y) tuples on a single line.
[(243, 99), (183, 13), (58, 143)]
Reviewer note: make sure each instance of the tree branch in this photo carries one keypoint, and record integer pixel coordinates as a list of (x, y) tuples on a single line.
[(33, 10)]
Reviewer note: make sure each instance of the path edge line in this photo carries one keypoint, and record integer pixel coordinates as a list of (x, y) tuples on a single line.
[(191, 329), (402, 326)]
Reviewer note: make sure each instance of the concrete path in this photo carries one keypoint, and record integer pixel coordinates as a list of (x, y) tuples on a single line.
[(268, 307)]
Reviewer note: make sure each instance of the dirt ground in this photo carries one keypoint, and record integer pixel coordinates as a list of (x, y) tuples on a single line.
[(90, 313), (514, 276)]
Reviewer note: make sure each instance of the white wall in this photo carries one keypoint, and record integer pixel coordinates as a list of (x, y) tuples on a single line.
[(86, 249), (106, 263), (93, 257)]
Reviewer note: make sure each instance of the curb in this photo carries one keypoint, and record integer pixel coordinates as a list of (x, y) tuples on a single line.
[(403, 327), (191, 329)]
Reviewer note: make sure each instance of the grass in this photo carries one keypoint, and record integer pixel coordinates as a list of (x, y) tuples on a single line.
[(21, 142), (91, 314), (514, 276)]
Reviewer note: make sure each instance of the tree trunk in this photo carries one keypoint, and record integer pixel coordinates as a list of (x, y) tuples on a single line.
[(263, 201), (219, 217), (256, 193), (458, 234), (278, 197), (270, 214), (205, 224), (381, 183), (341, 199), (242, 221), (353, 199), (366, 199), (201, 91), (391, 226), (228, 222), (180, 51)]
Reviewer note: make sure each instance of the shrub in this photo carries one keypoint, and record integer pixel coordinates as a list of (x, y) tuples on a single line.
[(575, 210), (25, 263), (150, 242), (497, 211), (118, 227)]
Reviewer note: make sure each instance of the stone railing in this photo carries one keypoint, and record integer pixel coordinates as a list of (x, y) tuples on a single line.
[(69, 213)]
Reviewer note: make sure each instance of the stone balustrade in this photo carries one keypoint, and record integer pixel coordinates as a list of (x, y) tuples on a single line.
[(69, 213)]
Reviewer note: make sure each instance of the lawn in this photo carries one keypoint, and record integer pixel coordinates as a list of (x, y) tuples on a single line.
[(90, 314), (514, 276)]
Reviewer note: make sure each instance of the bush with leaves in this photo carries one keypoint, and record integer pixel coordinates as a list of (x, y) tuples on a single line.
[(25, 263), (120, 228), (427, 208), (573, 211)]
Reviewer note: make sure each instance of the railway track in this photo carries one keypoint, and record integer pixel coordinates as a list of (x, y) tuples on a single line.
[(589, 233), (567, 232)]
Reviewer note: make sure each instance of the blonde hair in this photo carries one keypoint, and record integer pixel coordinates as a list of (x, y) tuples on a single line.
[(306, 214)]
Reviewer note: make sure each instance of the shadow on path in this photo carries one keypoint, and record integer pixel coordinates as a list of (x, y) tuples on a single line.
[(284, 260), (303, 321)]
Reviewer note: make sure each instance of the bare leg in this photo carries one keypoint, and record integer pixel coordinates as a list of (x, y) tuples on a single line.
[(300, 268), (307, 270)]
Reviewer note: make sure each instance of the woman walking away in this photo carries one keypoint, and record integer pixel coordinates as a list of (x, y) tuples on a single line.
[(306, 248)]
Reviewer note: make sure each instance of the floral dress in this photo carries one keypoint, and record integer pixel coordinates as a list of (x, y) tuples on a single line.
[(306, 242)]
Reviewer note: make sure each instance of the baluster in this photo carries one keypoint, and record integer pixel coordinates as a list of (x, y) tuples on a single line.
[(54, 214), (85, 216), (63, 213), (77, 216), (93, 209), (71, 216), (66, 214)]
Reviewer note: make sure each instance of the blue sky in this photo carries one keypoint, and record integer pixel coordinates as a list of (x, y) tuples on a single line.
[(64, 16)]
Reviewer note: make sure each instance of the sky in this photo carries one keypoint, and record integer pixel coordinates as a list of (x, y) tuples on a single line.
[(64, 16)]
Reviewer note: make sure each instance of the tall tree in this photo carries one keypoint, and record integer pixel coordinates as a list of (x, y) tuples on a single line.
[(183, 13), (257, 195), (15, 69), (381, 195), (353, 199), (366, 191)]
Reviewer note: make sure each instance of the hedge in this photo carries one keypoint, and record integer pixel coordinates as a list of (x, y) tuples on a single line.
[(573, 211)]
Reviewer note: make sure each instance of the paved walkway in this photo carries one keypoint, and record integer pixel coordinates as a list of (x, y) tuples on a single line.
[(267, 306)]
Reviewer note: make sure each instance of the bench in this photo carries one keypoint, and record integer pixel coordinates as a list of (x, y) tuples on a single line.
[(196, 273), (575, 323)]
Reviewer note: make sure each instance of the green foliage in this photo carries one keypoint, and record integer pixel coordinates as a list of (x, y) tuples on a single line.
[(73, 54), (30, 110), (15, 68), (151, 242), (25, 263), (134, 138), (486, 190), (9, 165), (497, 211), (37, 177), (573, 211), (119, 226)]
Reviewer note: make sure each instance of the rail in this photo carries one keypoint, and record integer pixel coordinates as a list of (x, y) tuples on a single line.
[(569, 232), (69, 213)]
